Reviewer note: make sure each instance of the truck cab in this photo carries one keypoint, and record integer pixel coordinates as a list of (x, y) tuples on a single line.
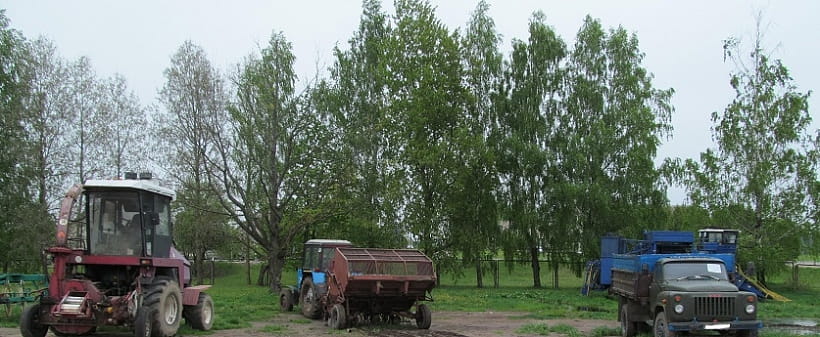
[(695, 294)]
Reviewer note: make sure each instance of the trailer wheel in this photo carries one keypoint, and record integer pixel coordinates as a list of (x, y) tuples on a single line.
[(165, 298), (201, 315), (338, 317), (286, 299), (628, 328), (144, 322), (661, 326), (309, 299), (424, 317), (30, 322)]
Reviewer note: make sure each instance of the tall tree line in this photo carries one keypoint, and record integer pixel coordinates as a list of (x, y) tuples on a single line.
[(422, 136), (62, 125)]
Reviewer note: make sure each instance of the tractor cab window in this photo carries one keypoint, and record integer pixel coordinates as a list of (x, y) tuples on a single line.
[(114, 223)]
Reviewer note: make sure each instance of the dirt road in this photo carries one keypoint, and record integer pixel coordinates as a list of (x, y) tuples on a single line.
[(445, 324)]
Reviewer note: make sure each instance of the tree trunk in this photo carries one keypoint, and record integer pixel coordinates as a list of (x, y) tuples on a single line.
[(555, 267), (276, 264), (263, 273), (248, 265), (536, 268), (479, 279)]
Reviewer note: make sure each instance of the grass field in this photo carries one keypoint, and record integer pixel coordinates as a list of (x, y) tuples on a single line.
[(238, 304)]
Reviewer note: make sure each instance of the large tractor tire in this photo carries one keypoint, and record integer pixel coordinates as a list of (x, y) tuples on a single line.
[(309, 298), (144, 322), (338, 317), (30, 322), (286, 299), (201, 315), (164, 297), (424, 317)]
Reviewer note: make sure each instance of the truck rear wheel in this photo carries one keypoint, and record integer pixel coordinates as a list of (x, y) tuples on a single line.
[(309, 298), (165, 298), (424, 317), (661, 326), (201, 315), (628, 328), (338, 317), (30, 322)]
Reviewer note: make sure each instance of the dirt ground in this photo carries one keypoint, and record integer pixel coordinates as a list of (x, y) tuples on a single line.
[(445, 324)]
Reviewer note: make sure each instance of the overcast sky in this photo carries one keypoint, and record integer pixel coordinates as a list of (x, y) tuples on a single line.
[(682, 40)]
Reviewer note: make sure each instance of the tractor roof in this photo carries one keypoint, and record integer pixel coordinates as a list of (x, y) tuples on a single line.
[(144, 185), (325, 242)]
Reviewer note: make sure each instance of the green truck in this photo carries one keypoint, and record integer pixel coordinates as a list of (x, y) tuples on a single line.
[(666, 284)]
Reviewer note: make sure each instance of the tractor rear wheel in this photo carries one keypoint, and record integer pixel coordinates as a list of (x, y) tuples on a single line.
[(30, 322), (165, 298), (424, 317), (201, 315), (286, 299), (338, 317), (309, 298)]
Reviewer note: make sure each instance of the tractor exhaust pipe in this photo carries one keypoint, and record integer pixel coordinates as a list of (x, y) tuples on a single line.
[(65, 212)]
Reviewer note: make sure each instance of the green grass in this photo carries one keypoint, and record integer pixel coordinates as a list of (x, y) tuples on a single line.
[(238, 304), (545, 330)]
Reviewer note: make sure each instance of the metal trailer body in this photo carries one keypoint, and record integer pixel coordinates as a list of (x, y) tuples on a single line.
[(349, 284)]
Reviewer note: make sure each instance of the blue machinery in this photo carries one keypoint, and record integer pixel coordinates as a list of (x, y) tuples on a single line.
[(632, 254)]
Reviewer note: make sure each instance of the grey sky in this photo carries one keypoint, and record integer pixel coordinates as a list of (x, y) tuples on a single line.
[(682, 40)]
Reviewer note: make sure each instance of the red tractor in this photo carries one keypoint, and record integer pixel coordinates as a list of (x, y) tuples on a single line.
[(120, 268)]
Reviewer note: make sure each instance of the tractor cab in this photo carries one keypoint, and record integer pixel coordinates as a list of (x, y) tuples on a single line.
[(718, 241), (128, 218), (316, 259)]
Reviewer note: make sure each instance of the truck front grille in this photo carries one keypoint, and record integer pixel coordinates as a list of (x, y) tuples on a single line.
[(714, 307)]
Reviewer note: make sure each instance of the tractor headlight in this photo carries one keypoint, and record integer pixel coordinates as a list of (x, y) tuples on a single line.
[(750, 308), (679, 308)]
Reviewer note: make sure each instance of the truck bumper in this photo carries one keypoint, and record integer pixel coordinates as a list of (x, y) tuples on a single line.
[(724, 325)]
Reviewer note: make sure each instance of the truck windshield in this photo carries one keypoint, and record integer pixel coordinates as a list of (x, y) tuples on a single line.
[(694, 271)]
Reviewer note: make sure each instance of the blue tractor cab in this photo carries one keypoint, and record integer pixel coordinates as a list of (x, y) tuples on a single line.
[(311, 277)]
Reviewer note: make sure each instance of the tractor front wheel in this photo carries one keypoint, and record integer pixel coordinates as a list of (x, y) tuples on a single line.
[(144, 322), (165, 298), (30, 322), (309, 298), (286, 299), (424, 317), (201, 315)]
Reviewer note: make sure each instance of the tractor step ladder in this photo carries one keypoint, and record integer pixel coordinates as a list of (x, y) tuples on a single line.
[(72, 303)]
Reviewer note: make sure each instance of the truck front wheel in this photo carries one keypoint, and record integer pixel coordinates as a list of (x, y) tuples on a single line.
[(628, 327), (661, 326)]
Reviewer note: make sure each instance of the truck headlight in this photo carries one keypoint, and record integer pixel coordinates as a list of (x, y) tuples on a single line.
[(750, 308), (679, 308)]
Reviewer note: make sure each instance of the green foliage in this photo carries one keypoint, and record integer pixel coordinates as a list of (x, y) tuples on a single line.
[(24, 230), (428, 99), (762, 177), (615, 120)]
